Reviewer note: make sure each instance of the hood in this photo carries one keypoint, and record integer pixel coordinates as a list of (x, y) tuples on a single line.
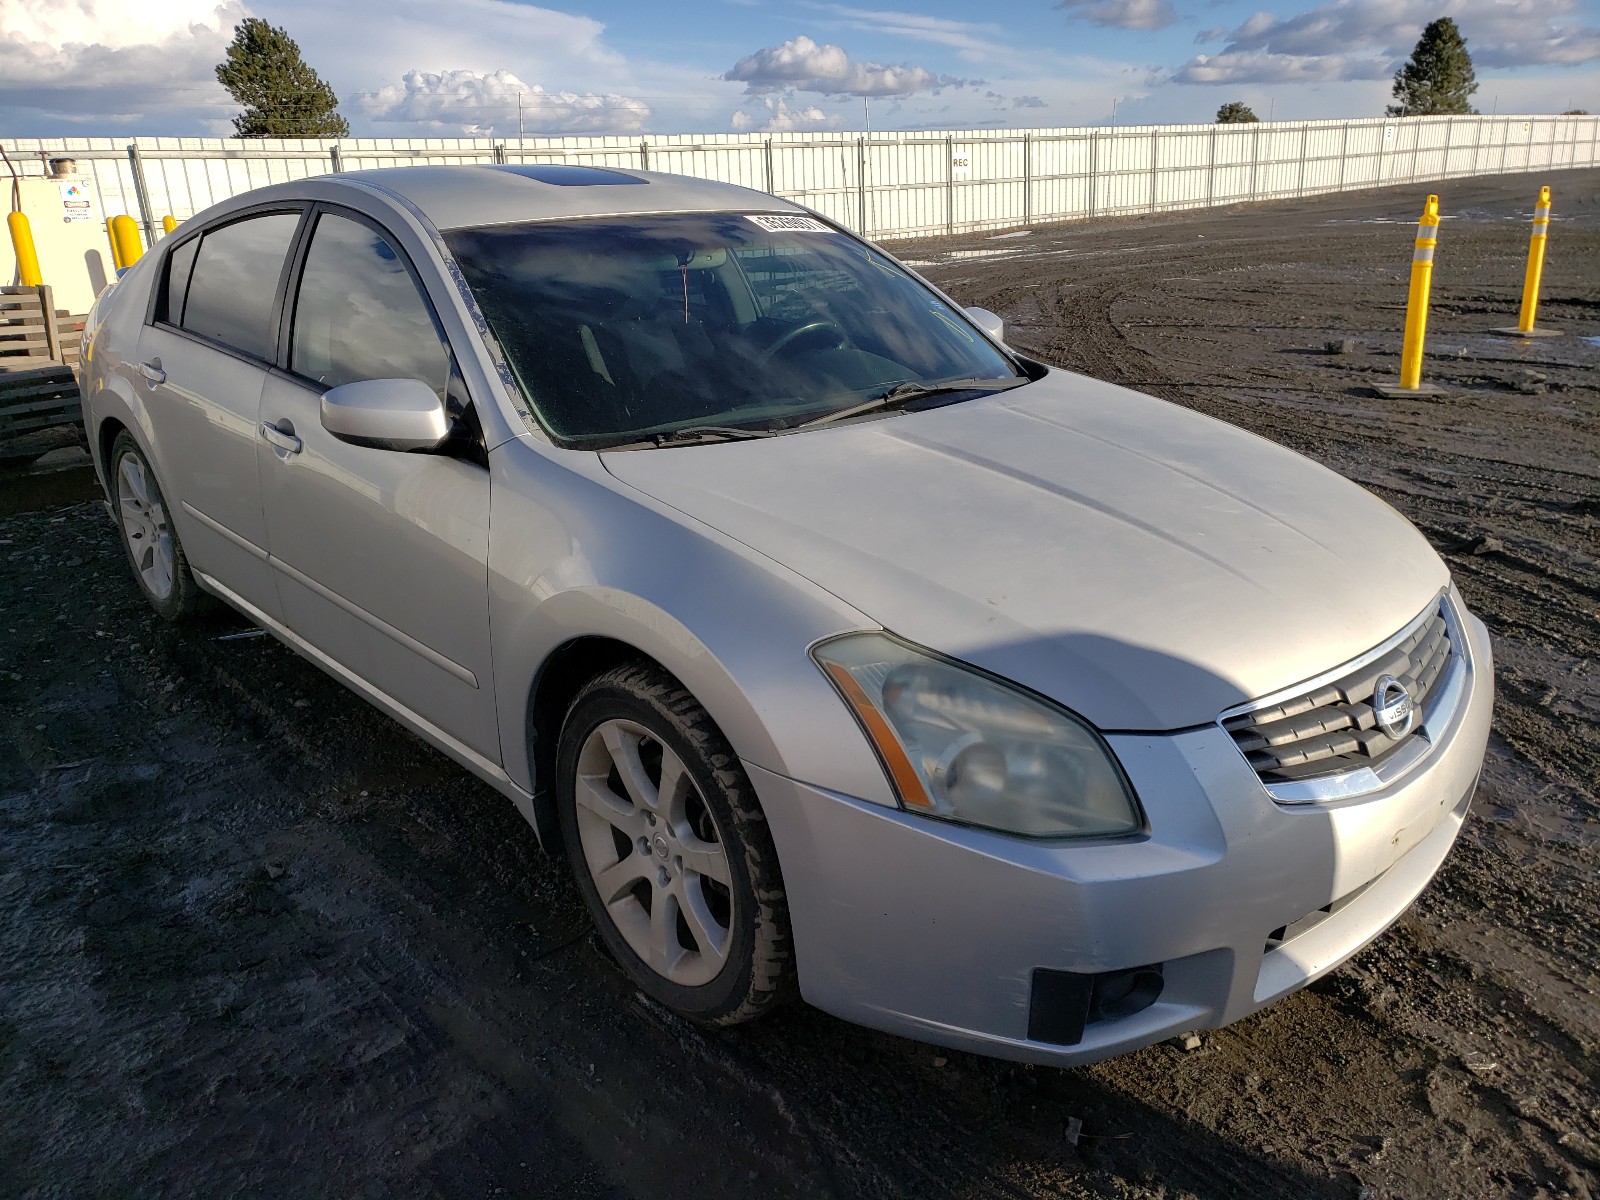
[(1146, 566)]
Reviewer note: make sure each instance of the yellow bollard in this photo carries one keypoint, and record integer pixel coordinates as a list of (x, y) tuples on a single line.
[(169, 223), (116, 251), (1417, 308), (125, 240), (27, 253), (1530, 279)]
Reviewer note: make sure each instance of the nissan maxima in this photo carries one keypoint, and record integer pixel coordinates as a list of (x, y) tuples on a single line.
[(843, 651)]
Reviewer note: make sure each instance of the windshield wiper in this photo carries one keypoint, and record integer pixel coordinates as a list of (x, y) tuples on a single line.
[(695, 434), (905, 392)]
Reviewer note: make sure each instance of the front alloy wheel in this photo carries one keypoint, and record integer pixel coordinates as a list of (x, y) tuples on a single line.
[(671, 850)]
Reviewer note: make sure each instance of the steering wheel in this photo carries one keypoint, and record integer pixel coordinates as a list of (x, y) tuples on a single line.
[(798, 332)]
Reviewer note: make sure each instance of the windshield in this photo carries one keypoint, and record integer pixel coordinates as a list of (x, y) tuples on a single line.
[(621, 329)]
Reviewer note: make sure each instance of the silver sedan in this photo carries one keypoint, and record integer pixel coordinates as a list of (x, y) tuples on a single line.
[(842, 650)]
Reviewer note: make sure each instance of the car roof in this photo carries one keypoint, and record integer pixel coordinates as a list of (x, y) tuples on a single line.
[(468, 196)]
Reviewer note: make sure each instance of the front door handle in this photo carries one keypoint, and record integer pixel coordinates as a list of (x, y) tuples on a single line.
[(152, 371), (287, 442)]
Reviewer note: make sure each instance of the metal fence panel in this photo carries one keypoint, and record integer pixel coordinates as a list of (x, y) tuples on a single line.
[(887, 184)]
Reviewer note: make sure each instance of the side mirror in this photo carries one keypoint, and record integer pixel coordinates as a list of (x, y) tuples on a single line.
[(988, 322), (386, 414)]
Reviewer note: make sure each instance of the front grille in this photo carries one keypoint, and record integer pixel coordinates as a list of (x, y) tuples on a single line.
[(1332, 727)]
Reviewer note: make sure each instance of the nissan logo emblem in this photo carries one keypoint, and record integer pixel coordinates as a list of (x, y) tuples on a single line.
[(1392, 705)]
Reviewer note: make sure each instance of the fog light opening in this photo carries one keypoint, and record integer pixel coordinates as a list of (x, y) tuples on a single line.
[(1119, 994), (1062, 1003)]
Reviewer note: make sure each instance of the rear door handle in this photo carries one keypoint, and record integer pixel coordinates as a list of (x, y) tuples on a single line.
[(287, 442), (152, 371)]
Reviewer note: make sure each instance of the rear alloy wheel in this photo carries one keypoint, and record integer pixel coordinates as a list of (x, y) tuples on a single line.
[(671, 850), (159, 564)]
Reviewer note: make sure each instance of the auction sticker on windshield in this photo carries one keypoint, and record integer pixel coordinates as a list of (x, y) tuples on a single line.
[(786, 224)]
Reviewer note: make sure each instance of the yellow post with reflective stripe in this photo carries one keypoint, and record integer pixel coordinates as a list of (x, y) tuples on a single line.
[(116, 250), (1530, 281), (169, 223), (27, 253), (125, 241), (1535, 272), (1417, 302)]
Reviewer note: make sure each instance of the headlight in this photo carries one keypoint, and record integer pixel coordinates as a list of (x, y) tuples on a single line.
[(966, 747)]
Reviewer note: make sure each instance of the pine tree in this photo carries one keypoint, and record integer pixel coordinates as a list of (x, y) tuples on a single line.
[(282, 96), (1236, 112), (1438, 78)]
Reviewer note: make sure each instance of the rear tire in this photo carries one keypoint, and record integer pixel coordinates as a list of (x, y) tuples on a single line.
[(671, 850), (160, 567)]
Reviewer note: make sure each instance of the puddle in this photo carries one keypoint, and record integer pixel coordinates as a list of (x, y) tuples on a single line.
[(1593, 341)]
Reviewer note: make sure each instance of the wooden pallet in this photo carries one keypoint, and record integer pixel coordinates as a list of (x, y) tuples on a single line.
[(29, 333), (40, 409)]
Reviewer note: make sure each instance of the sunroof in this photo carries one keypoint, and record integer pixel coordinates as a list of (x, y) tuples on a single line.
[(567, 176)]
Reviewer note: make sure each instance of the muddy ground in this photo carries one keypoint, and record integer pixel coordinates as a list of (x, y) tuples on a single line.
[(255, 939)]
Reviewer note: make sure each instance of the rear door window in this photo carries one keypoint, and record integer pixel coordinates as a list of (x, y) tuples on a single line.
[(359, 314), (235, 281)]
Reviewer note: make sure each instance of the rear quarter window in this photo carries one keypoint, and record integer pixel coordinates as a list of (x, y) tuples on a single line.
[(175, 283)]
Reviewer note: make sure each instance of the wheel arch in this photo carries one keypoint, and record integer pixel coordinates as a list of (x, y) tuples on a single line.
[(561, 676)]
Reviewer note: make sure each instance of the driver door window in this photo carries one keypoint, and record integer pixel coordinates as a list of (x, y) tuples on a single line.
[(359, 314)]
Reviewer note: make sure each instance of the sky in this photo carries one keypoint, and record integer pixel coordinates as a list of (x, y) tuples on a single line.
[(414, 68)]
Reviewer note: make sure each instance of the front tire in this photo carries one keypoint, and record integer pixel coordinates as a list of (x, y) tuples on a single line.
[(160, 567), (670, 849)]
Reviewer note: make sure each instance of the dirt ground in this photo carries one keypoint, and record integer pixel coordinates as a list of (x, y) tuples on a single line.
[(256, 939)]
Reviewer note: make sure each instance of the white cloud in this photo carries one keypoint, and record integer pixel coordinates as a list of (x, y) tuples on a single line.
[(87, 59), (1123, 14), (780, 117), (803, 65), (363, 43), (1368, 39), (1210, 35), (1255, 66), (479, 103)]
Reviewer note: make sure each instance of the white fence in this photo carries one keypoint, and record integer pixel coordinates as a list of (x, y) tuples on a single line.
[(889, 185)]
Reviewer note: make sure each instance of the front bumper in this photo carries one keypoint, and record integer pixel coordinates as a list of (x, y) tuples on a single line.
[(933, 931)]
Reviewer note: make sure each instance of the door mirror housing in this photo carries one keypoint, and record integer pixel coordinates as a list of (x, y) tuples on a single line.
[(988, 322), (386, 414)]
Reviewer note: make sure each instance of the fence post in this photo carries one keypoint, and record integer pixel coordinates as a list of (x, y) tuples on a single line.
[(1155, 177), (1416, 150), (335, 159), (500, 154), (1027, 177), (141, 192), (1255, 156), (1344, 153), (1211, 166), (1094, 167), (861, 184), (768, 158), (644, 155), (949, 184), (1449, 142)]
